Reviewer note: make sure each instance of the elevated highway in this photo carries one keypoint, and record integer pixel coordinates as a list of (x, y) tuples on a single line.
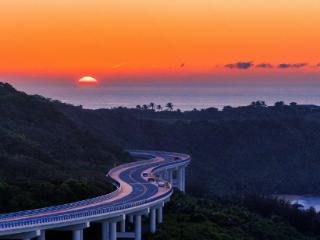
[(142, 189)]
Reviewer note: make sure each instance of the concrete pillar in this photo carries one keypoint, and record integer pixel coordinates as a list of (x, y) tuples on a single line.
[(183, 179), (105, 230), (77, 234), (180, 179), (123, 225), (137, 227), (42, 235), (153, 220), (159, 216), (170, 176), (113, 230)]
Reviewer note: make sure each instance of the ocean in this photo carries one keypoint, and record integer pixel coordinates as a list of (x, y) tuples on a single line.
[(186, 97)]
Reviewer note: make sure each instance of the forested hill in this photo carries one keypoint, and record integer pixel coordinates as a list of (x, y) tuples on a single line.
[(236, 151), (45, 157), (252, 149), (51, 153)]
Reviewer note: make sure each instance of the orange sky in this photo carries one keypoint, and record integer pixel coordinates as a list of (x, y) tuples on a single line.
[(129, 36)]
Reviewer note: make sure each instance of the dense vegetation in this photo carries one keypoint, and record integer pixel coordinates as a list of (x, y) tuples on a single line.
[(45, 158), (252, 149), (52, 153), (190, 218)]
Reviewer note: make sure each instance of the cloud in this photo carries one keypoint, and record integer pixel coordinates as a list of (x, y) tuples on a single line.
[(264, 65), (291, 65), (119, 65), (239, 65)]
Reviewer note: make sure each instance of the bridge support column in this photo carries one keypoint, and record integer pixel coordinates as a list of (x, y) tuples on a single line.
[(113, 231), (153, 220), (159, 216), (131, 218), (77, 234), (170, 173), (137, 227), (77, 230), (105, 230), (42, 235), (180, 178), (183, 179), (123, 225)]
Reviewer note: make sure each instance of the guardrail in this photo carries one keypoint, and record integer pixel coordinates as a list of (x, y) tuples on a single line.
[(80, 214)]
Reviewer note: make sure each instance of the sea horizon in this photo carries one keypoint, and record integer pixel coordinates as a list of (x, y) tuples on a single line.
[(183, 97)]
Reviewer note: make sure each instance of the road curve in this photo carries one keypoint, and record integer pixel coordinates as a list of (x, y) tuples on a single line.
[(133, 193)]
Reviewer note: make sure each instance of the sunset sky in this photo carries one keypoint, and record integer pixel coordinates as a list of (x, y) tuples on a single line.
[(151, 37)]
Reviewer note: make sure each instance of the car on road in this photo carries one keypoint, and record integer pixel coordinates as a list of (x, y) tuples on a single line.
[(150, 179), (161, 183)]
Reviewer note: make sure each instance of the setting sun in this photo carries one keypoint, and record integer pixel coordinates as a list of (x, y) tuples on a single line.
[(87, 80)]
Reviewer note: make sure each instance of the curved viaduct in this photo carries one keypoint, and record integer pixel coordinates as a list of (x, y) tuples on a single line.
[(142, 189)]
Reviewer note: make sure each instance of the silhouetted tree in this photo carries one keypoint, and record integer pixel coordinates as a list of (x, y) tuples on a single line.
[(152, 105), (159, 107), (169, 106), (293, 104), (227, 108), (279, 104), (138, 107), (258, 104), (145, 107)]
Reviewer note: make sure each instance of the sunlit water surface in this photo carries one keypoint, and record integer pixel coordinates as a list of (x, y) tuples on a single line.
[(183, 97)]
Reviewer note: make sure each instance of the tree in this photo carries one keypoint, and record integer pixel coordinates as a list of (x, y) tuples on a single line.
[(138, 107), (279, 104), (159, 107), (227, 108), (169, 106), (258, 104), (152, 105), (293, 104), (145, 107)]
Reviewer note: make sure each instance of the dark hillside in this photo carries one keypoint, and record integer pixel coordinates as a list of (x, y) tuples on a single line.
[(43, 154), (254, 149)]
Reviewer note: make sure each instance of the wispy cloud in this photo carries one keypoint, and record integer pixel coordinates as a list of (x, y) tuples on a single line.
[(239, 65), (119, 65), (264, 65), (291, 65)]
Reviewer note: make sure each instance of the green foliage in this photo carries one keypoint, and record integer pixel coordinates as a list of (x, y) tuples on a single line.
[(191, 218), (252, 149), (45, 157)]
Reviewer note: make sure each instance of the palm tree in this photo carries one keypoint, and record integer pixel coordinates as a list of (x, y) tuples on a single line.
[(159, 107), (152, 105), (169, 106), (145, 107), (138, 107)]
